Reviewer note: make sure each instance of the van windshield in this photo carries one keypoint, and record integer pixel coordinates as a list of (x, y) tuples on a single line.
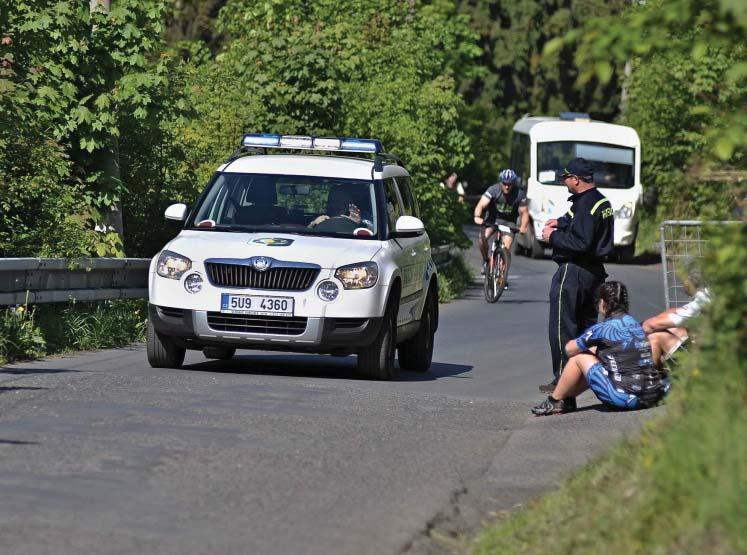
[(613, 165), (309, 205)]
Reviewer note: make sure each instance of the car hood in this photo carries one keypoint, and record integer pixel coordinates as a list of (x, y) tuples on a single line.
[(328, 252)]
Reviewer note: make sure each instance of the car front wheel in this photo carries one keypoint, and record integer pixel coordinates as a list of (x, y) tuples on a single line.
[(376, 361), (162, 351)]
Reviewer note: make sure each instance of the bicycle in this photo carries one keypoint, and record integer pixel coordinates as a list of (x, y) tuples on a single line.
[(499, 261)]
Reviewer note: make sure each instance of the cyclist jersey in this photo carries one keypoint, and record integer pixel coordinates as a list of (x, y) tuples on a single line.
[(624, 350), (504, 207)]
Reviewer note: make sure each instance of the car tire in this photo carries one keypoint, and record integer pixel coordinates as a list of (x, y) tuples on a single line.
[(376, 361), (416, 353), (219, 353), (162, 351)]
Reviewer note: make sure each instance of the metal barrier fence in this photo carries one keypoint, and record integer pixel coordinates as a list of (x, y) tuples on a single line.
[(54, 280), (681, 244)]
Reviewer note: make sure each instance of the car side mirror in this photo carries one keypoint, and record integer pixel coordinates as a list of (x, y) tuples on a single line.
[(409, 226), (176, 212)]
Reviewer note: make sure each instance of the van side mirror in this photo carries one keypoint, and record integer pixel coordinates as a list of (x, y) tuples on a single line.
[(176, 212), (408, 226)]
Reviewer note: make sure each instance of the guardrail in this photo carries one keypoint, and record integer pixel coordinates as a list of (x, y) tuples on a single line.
[(55, 280)]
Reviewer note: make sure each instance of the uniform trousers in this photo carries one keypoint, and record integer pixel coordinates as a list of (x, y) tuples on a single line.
[(573, 308)]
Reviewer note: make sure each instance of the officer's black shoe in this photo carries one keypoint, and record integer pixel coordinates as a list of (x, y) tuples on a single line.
[(554, 406), (548, 387)]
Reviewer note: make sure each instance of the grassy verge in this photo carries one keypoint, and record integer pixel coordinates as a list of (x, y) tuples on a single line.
[(681, 486), (51, 329), (453, 279)]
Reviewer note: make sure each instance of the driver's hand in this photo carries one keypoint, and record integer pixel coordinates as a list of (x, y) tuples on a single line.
[(318, 220), (354, 213), (551, 223), (478, 220)]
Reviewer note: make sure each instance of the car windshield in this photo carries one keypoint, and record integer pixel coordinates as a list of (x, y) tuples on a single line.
[(613, 165), (310, 205)]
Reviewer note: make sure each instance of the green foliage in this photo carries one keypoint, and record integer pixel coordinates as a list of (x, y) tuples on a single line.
[(688, 96), (93, 325), (19, 336), (69, 79), (341, 72), (47, 329), (453, 279), (680, 487), (513, 77)]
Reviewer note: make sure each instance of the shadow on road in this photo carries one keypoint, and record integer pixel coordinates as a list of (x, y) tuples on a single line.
[(29, 370), (17, 442), (316, 366)]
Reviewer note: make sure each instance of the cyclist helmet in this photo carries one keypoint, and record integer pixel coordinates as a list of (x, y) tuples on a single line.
[(508, 176)]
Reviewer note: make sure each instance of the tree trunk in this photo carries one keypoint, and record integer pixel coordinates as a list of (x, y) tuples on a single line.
[(107, 160)]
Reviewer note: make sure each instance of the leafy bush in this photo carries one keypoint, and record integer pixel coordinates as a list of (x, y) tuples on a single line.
[(19, 335), (93, 325), (453, 279), (47, 329)]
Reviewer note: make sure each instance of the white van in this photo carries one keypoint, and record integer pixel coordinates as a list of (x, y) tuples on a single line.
[(541, 146)]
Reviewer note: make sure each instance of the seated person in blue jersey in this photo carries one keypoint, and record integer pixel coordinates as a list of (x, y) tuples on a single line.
[(612, 358)]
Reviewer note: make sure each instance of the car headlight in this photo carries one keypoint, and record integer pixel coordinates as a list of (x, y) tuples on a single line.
[(625, 211), (358, 276), (171, 265)]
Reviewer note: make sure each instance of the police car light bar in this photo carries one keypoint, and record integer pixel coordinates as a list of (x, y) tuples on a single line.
[(305, 142)]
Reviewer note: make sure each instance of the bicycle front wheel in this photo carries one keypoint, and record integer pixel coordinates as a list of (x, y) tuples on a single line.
[(492, 292)]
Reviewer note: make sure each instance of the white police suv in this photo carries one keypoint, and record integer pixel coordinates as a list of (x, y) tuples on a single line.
[(321, 251)]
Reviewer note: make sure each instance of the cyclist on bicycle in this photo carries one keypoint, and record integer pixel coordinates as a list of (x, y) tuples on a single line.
[(504, 204)]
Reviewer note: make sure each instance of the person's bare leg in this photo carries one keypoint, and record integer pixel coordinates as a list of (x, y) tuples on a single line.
[(482, 241), (662, 343), (574, 383)]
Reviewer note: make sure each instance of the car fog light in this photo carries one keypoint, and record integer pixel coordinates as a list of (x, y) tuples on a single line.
[(328, 291), (193, 283)]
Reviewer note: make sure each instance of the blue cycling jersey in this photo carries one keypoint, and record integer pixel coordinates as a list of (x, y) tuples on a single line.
[(625, 351)]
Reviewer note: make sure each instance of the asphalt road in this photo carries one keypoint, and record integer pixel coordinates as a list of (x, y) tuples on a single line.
[(285, 454)]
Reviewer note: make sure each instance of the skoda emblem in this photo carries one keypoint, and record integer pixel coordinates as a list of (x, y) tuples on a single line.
[(261, 263)]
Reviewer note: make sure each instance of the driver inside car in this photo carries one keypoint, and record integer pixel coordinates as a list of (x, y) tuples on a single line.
[(339, 205)]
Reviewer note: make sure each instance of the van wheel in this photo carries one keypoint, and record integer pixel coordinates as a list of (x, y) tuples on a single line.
[(376, 361), (627, 253), (536, 251), (219, 353), (416, 353), (162, 351)]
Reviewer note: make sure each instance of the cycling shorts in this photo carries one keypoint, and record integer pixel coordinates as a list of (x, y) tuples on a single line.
[(606, 391)]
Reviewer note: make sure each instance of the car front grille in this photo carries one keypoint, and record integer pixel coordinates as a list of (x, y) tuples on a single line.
[(276, 279), (275, 325)]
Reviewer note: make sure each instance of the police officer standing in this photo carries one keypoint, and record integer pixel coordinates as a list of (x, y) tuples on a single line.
[(580, 241)]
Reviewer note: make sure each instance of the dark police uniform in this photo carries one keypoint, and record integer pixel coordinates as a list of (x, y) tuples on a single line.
[(583, 238), (504, 207)]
